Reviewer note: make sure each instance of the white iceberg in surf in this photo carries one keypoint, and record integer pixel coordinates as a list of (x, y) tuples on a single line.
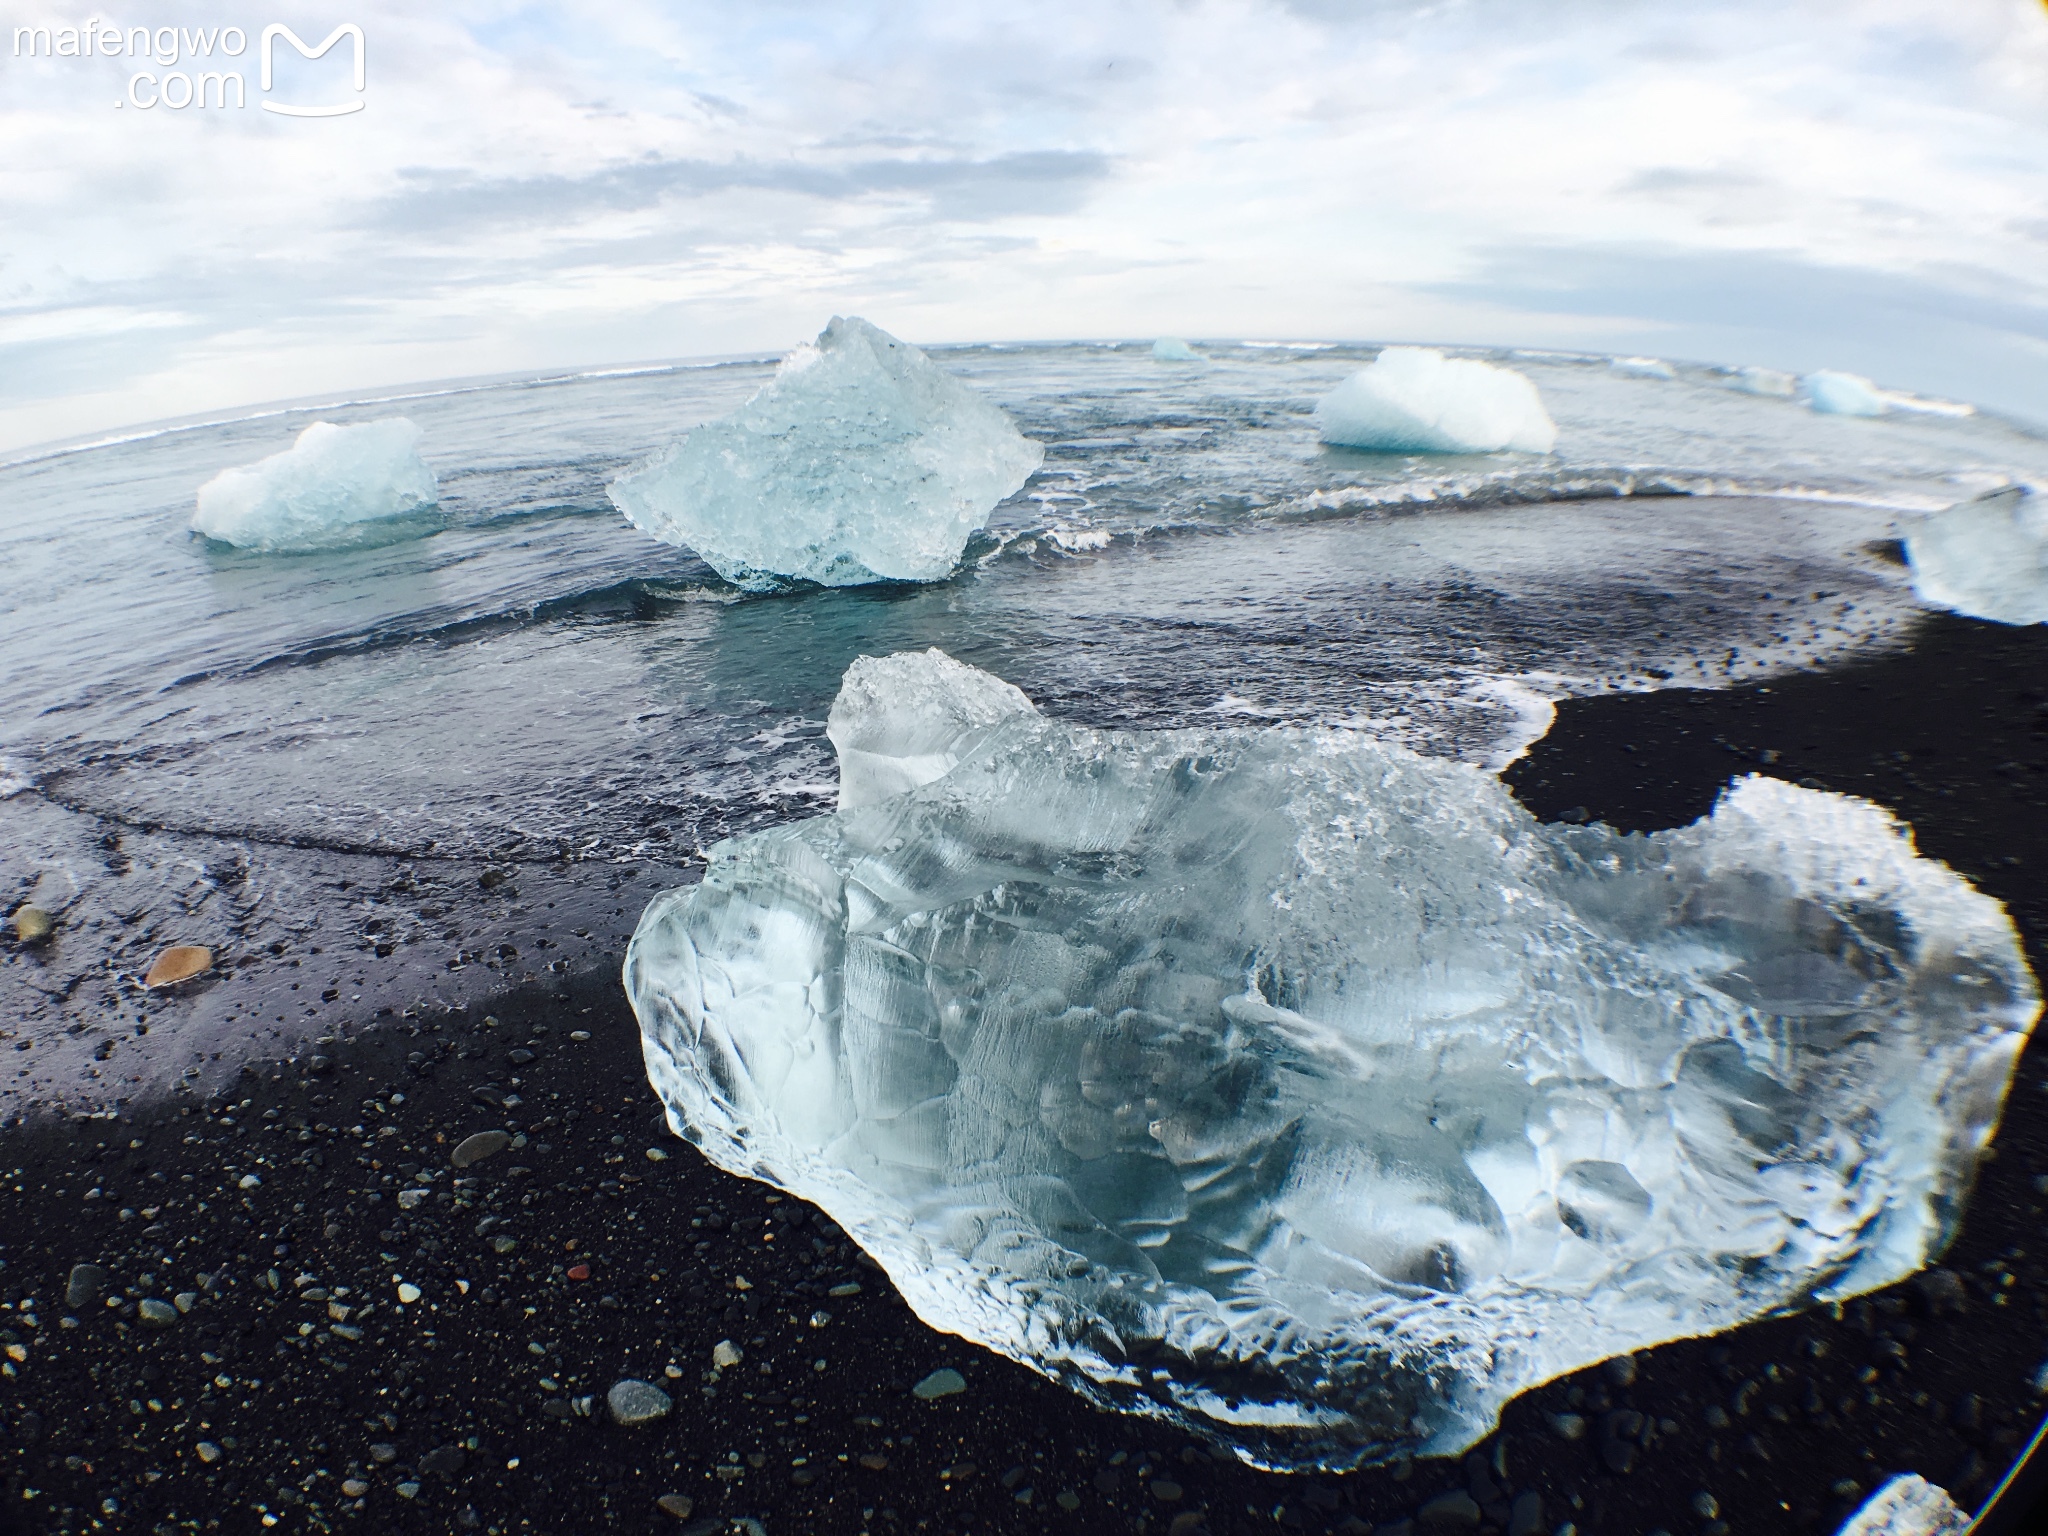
[(1767, 381), (1416, 400), (1643, 368), (860, 461), (1308, 1092), (1171, 349), (334, 486), (1843, 394), (1987, 557)]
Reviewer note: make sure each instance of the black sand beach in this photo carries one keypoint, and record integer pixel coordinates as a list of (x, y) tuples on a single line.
[(244, 1359)]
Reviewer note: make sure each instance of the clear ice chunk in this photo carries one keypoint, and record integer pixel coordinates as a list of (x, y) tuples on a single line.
[(1767, 381), (334, 486), (1309, 1092), (1908, 1505), (1843, 394), (1171, 349), (860, 461), (1987, 557), (1416, 400)]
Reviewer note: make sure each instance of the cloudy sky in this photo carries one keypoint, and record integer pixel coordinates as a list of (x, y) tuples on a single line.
[(1859, 184)]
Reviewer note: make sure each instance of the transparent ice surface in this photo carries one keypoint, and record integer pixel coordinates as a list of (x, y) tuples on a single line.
[(1416, 400), (1843, 394), (335, 485), (1171, 349), (1908, 1505), (1987, 557), (1307, 1091), (860, 461)]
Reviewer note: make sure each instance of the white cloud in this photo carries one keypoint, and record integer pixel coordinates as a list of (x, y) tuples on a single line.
[(541, 185)]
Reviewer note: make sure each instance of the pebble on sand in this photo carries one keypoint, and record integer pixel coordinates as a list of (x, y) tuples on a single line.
[(725, 1354), (941, 1383), (207, 1451), (181, 962), (155, 1312), (32, 924), (474, 1149), (85, 1285), (408, 1293), (677, 1504), (636, 1402)]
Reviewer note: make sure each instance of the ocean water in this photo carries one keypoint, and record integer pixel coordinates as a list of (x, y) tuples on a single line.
[(530, 682)]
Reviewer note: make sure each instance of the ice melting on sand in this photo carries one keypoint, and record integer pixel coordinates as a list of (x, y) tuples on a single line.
[(861, 460), (1307, 1091), (1908, 1505), (1987, 557), (1416, 400), (335, 486)]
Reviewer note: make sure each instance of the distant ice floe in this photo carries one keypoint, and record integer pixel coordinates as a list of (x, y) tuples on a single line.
[(860, 461), (1171, 349), (1987, 557), (1767, 381), (1850, 394), (1416, 400), (1643, 368), (335, 486), (1308, 1092)]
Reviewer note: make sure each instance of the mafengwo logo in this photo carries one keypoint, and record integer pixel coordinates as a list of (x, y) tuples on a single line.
[(188, 68)]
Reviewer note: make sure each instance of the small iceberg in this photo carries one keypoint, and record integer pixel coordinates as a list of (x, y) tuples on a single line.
[(1643, 368), (1307, 1092), (1987, 558), (1171, 349), (1843, 394), (334, 487), (1767, 381), (1416, 400), (860, 461)]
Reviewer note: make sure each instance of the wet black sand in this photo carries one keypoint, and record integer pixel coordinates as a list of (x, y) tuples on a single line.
[(465, 1410)]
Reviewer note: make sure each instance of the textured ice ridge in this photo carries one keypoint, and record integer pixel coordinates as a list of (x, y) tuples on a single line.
[(1307, 1091), (860, 461), (1987, 557), (1416, 400), (334, 486)]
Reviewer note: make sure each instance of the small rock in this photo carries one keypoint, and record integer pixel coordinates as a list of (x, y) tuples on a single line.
[(725, 1354), (1453, 1511), (408, 1490), (32, 924), (87, 1284), (1568, 1426), (383, 1453), (504, 1244), (185, 1301), (474, 1149), (1525, 1515), (875, 1461), (354, 1487), (579, 1271), (207, 1451), (677, 1504), (156, 1313), (579, 1034), (1706, 1506), (656, 1155), (248, 1181), (410, 1199), (637, 1402), (1167, 1491), (408, 1293), (443, 1461), (850, 1288), (941, 1383), (181, 962), (1621, 1370)]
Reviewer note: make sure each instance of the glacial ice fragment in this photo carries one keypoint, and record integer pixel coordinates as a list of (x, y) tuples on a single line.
[(1416, 400), (1309, 1092), (334, 486), (1908, 1505), (860, 461), (1171, 349), (1987, 557), (1843, 394), (1767, 381), (1642, 368)]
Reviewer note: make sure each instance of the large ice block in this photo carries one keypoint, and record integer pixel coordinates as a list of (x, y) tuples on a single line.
[(1416, 400), (334, 486), (1309, 1092), (860, 461), (1987, 557)]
